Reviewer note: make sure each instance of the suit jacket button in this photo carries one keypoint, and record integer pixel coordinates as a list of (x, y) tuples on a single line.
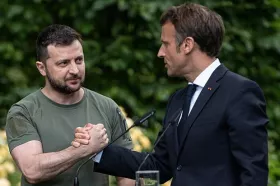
[(179, 167)]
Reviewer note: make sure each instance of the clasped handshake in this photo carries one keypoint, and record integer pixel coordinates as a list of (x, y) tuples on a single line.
[(93, 137)]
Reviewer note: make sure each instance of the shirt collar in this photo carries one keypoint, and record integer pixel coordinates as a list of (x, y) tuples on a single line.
[(204, 76)]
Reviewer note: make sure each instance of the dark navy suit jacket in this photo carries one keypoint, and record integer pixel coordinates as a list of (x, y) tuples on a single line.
[(225, 138)]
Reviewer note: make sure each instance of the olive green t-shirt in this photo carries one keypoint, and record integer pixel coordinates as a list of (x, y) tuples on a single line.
[(36, 117)]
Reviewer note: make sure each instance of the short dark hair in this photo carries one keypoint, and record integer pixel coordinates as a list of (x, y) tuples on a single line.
[(55, 35), (205, 26)]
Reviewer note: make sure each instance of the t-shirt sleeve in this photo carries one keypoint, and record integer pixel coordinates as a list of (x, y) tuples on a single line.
[(119, 125), (19, 127)]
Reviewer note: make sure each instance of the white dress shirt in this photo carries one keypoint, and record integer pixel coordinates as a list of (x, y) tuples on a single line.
[(202, 79)]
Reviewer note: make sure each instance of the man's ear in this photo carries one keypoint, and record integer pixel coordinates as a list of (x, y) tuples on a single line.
[(188, 45), (41, 67)]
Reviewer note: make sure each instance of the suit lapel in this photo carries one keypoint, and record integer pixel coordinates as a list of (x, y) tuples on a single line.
[(208, 90), (175, 138), (173, 115)]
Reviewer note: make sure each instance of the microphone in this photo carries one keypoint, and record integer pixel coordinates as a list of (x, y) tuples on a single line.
[(136, 123), (176, 117)]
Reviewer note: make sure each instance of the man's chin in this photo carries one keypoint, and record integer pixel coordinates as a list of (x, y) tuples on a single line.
[(72, 89), (170, 74)]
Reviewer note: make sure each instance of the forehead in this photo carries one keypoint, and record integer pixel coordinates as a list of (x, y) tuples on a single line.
[(58, 52), (168, 31)]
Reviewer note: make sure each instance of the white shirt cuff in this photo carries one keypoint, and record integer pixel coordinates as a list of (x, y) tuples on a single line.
[(97, 158)]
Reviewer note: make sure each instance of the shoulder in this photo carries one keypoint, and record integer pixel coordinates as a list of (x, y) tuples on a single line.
[(99, 99), (238, 81), (26, 105), (231, 80), (105, 105), (235, 86)]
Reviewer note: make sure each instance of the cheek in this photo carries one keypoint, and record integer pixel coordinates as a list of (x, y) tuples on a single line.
[(178, 61), (169, 55), (173, 56), (82, 69), (59, 73)]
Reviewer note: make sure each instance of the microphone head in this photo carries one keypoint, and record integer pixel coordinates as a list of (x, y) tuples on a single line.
[(144, 117)]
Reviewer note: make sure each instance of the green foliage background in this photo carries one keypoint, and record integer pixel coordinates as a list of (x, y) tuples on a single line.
[(121, 40)]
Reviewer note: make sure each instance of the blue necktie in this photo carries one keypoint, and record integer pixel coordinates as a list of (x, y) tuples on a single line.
[(191, 88)]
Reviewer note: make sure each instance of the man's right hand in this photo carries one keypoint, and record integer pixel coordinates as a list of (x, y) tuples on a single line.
[(82, 135), (94, 136)]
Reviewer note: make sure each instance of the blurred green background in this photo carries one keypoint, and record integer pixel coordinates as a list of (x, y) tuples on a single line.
[(121, 40)]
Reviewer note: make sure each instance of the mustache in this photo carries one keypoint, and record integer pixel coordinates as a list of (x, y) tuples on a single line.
[(73, 78)]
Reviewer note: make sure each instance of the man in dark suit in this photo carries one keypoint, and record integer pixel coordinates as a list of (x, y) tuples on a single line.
[(217, 135)]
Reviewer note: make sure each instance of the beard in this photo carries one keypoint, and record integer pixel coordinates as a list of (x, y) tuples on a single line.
[(62, 87)]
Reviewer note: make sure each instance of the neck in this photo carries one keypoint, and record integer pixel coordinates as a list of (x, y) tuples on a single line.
[(64, 99), (199, 64)]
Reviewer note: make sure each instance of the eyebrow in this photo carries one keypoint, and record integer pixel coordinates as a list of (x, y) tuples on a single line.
[(80, 56), (68, 60), (62, 60)]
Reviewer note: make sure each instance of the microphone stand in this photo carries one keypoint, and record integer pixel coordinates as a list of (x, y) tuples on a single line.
[(175, 120)]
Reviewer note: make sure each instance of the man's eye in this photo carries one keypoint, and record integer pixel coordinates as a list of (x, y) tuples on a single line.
[(63, 63), (79, 60)]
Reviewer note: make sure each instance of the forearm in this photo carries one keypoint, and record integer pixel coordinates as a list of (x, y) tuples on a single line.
[(119, 161), (122, 162), (45, 166)]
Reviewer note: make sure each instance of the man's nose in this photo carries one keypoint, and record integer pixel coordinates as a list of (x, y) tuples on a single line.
[(161, 52), (73, 68)]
